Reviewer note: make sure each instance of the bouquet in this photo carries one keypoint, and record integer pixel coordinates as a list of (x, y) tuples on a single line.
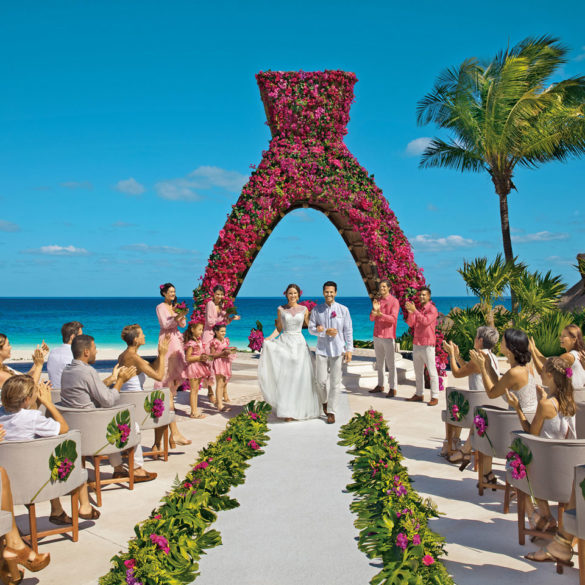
[(517, 461), (181, 308)]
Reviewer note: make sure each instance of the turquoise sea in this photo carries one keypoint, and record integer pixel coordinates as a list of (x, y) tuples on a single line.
[(27, 321)]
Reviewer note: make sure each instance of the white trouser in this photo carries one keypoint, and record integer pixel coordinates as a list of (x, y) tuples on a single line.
[(116, 458), (329, 367), (424, 355), (384, 349)]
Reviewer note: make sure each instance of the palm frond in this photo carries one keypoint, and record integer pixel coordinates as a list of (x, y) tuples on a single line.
[(442, 154)]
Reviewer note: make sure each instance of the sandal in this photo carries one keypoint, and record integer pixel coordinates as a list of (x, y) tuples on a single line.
[(174, 442), (542, 523), (456, 456), (465, 461), (93, 515), (490, 478), (61, 520), (197, 415), (564, 552), (21, 556), (445, 451), (10, 573)]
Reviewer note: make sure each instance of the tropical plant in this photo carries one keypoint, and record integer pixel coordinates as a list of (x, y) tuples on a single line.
[(580, 266), (547, 332), (506, 113), (489, 281), (405, 340)]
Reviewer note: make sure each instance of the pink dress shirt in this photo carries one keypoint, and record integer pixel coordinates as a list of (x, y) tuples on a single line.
[(385, 324), (423, 321)]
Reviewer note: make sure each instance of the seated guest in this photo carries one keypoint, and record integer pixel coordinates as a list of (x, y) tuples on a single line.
[(61, 356), (572, 342), (38, 358), (134, 338), (518, 379), (23, 423), (485, 340), (81, 387), (554, 419)]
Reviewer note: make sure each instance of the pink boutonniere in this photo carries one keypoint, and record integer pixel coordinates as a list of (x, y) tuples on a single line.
[(333, 315)]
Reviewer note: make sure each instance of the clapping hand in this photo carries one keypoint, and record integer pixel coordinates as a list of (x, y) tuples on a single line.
[(541, 393), (477, 357), (448, 347), (126, 372), (38, 357), (45, 348), (2, 433), (44, 392), (376, 306), (512, 399), (410, 306)]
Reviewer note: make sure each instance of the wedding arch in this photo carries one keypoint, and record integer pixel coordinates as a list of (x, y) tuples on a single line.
[(308, 165)]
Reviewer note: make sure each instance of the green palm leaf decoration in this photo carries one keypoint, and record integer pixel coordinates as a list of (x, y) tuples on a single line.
[(457, 406), (118, 431), (61, 464), (154, 405)]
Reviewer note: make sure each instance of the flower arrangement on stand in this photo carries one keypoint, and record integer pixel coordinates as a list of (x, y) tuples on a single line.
[(391, 516), (308, 165), (167, 546), (256, 337)]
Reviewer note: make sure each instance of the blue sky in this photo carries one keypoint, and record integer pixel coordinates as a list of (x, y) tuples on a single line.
[(128, 128)]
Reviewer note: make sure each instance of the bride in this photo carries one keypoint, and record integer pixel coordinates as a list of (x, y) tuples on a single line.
[(285, 371)]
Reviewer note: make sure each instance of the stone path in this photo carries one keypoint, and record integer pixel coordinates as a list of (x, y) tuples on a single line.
[(293, 526)]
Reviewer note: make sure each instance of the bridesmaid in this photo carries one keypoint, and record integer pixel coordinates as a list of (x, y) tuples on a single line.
[(169, 322), (214, 314)]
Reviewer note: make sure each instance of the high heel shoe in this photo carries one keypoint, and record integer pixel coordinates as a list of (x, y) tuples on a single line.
[(38, 563), (10, 574), (174, 442)]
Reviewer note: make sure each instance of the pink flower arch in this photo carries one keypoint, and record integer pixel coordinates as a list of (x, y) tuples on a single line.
[(308, 165)]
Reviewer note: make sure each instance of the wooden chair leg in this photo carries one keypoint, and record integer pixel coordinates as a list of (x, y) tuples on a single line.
[(166, 443), (75, 515), (521, 516), (98, 485), (480, 467), (32, 520), (475, 460), (581, 557), (507, 491), (131, 469), (560, 512)]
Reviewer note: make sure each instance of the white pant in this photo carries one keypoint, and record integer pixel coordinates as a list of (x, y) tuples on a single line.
[(116, 458), (329, 367), (384, 349), (424, 355)]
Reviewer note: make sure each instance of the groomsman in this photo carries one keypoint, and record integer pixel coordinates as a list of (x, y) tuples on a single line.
[(385, 314), (331, 323), (423, 321)]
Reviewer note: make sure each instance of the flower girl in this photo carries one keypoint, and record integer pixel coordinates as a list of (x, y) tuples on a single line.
[(223, 356), (197, 370)]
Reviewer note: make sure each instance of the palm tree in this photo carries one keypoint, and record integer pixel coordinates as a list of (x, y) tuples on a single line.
[(506, 113), (489, 281)]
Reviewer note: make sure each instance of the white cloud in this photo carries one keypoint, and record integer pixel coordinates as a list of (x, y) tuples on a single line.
[(202, 178), (581, 55), (8, 226), (54, 250), (77, 185), (560, 261), (147, 249), (543, 236), (130, 187), (428, 243), (417, 146)]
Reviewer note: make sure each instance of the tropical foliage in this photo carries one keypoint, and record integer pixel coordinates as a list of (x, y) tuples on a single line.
[(506, 113), (167, 546), (392, 518)]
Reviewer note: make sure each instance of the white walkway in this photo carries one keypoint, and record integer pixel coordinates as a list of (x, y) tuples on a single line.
[(293, 526)]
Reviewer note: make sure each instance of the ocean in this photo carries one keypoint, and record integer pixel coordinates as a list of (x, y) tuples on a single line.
[(28, 321)]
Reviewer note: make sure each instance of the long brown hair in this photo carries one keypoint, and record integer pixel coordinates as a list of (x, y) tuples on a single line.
[(559, 369)]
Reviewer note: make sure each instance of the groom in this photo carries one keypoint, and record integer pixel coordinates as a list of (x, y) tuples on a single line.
[(331, 323)]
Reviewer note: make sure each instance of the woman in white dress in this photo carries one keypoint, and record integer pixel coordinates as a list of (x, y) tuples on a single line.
[(285, 371)]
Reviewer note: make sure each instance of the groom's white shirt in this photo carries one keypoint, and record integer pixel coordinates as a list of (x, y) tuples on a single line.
[(343, 341)]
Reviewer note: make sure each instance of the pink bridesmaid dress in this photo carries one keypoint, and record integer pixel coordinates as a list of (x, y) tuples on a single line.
[(213, 316), (222, 366), (198, 370), (175, 360)]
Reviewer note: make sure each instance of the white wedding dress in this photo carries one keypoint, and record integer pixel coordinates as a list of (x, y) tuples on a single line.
[(285, 370)]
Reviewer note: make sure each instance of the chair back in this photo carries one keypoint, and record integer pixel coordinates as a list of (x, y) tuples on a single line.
[(99, 428), (43, 469), (552, 469), (579, 394), (466, 401), (143, 402), (496, 440)]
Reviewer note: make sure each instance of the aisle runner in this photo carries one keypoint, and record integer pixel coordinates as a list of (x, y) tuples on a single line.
[(293, 526)]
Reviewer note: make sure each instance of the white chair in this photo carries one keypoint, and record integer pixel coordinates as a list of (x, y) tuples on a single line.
[(551, 474), (144, 417), (96, 426), (500, 423), (37, 480)]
